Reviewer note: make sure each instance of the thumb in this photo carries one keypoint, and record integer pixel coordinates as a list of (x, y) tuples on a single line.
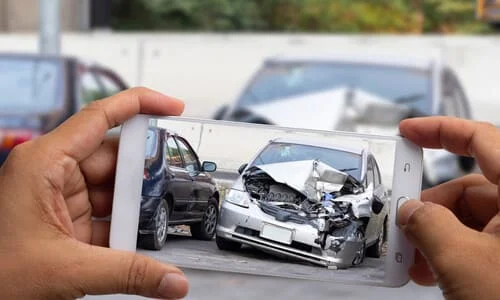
[(108, 271), (433, 229)]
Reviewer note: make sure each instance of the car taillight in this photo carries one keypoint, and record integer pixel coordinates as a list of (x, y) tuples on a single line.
[(146, 174), (10, 139)]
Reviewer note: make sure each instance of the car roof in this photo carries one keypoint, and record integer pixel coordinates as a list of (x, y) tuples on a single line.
[(316, 143), (384, 58)]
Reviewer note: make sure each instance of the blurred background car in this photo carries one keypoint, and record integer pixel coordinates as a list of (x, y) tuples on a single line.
[(176, 190), (39, 92), (359, 91)]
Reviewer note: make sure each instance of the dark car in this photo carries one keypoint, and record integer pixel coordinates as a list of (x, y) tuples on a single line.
[(39, 92), (176, 190)]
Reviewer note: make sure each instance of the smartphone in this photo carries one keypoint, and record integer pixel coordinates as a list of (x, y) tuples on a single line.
[(265, 200)]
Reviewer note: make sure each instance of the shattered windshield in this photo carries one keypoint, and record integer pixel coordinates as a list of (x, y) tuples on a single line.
[(347, 162), (282, 80), (29, 85)]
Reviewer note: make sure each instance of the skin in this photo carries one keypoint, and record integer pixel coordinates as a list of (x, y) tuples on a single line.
[(456, 226), (51, 187)]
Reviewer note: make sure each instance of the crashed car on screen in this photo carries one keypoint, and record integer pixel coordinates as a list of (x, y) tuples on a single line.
[(318, 203)]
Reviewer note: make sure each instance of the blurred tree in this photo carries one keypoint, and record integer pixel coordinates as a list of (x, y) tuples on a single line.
[(390, 16), (449, 15)]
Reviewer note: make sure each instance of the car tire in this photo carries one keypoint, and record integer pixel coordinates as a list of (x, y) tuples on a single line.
[(360, 257), (157, 240), (376, 249), (205, 230), (225, 244)]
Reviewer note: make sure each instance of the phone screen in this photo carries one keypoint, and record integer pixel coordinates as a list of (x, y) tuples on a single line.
[(266, 201)]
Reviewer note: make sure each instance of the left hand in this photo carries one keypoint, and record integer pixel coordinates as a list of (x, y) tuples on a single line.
[(50, 190)]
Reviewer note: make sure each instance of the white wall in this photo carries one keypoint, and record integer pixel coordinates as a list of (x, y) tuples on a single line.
[(207, 70)]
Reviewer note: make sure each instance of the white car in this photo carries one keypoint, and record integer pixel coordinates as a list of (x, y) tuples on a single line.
[(312, 201), (356, 91)]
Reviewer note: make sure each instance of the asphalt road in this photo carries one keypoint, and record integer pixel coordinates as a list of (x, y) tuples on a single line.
[(205, 284)]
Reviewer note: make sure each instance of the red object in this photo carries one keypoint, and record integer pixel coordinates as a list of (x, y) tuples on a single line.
[(146, 174), (9, 138)]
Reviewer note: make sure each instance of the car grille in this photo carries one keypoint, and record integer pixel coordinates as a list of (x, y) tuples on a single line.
[(283, 215)]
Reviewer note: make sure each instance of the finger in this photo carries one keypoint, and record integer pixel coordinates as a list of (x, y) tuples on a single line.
[(101, 199), (100, 166), (109, 271), (420, 272), (472, 198), (100, 233), (433, 229), (82, 134), (463, 137)]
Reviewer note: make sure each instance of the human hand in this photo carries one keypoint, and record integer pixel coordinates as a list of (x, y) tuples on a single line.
[(456, 227), (51, 187)]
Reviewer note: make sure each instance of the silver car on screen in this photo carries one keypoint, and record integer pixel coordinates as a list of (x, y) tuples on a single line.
[(314, 202)]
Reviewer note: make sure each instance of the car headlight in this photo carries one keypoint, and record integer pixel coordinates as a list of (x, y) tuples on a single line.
[(238, 197)]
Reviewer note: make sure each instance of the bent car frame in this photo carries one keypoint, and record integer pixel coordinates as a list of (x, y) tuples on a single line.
[(314, 202)]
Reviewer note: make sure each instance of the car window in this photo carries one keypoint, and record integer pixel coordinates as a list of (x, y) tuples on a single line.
[(37, 85), (111, 87), (376, 174), (280, 80), (151, 144), (90, 90), (174, 158), (284, 152), (369, 173), (190, 160)]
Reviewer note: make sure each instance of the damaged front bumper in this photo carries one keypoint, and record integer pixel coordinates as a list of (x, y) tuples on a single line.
[(253, 227)]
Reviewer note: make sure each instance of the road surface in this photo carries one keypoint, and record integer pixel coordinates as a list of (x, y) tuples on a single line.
[(205, 284)]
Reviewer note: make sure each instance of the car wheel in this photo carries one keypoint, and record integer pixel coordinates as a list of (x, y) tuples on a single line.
[(225, 244), (376, 249), (360, 254), (156, 240), (205, 230)]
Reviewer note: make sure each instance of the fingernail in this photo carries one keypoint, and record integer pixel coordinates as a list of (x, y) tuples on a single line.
[(173, 286), (407, 210)]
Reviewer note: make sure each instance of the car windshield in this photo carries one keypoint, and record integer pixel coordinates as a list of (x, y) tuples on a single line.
[(276, 81), (347, 162), (151, 143), (29, 85)]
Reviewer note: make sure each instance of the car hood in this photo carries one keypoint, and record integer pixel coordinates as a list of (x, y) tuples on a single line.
[(330, 109), (306, 176)]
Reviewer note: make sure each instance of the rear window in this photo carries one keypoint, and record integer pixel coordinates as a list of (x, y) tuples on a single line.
[(151, 143), (30, 85)]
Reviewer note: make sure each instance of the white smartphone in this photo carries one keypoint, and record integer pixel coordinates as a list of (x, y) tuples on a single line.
[(265, 200)]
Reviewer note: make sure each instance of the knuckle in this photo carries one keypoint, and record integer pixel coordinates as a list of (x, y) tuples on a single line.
[(486, 125), (139, 90), (137, 274)]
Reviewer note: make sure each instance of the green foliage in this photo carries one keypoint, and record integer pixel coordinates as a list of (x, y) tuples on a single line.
[(371, 16)]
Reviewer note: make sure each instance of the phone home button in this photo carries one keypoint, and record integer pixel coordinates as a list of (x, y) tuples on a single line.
[(399, 202)]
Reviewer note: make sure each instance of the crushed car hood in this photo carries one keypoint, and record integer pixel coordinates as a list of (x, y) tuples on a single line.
[(306, 176), (325, 110)]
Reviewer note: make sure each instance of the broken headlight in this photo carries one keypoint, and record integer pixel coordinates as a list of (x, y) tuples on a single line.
[(238, 197)]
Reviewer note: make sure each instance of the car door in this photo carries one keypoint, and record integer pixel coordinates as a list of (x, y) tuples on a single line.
[(199, 198), (179, 184)]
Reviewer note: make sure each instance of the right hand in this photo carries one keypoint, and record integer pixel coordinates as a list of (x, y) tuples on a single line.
[(456, 227)]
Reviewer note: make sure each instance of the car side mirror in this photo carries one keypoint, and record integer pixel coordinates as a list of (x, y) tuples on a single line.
[(208, 166), (242, 168), (377, 205)]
